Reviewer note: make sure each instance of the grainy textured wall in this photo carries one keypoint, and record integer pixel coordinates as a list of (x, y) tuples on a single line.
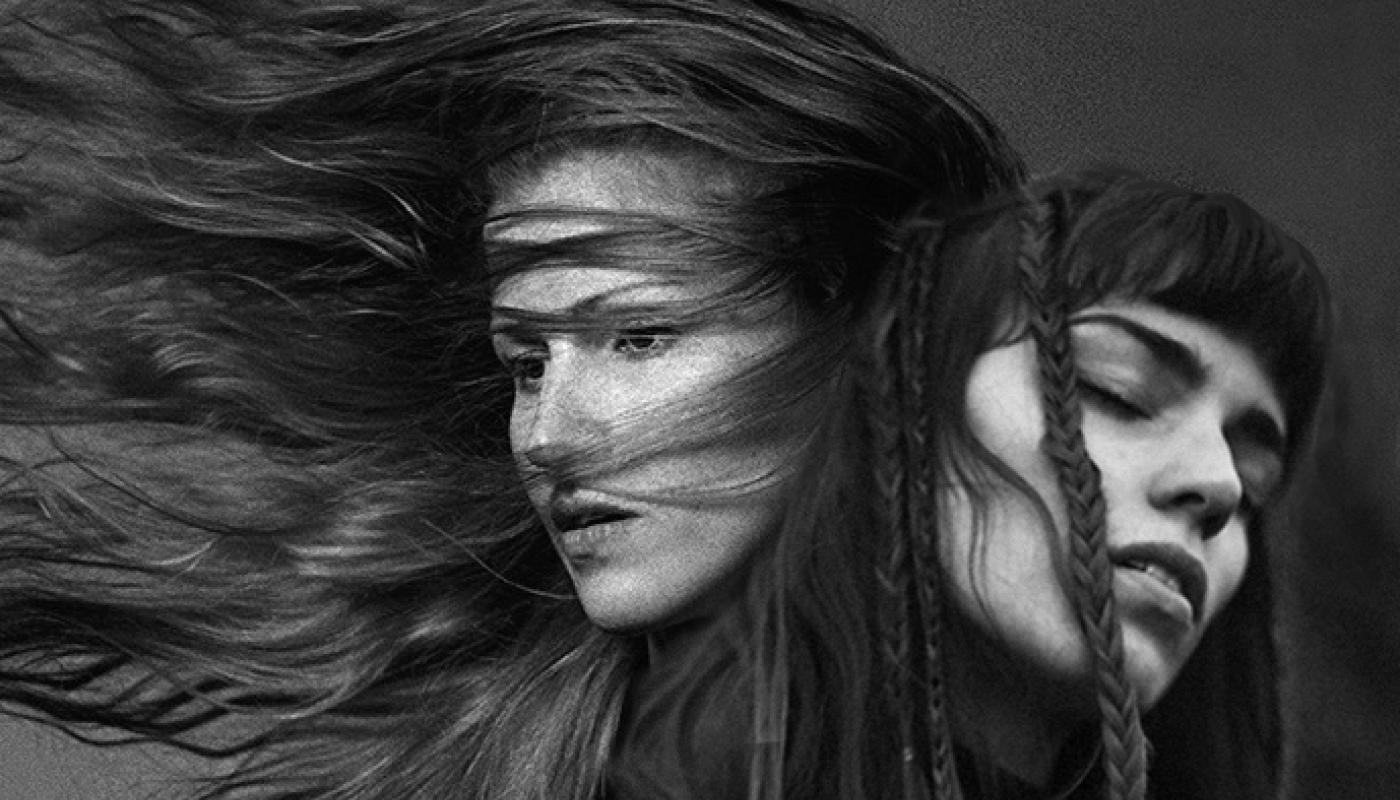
[(1293, 104)]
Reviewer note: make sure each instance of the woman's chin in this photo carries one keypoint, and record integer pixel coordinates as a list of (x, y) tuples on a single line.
[(616, 615), (1151, 664), (621, 603)]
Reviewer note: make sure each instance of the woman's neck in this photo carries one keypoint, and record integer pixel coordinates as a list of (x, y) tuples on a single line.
[(676, 646), (686, 718)]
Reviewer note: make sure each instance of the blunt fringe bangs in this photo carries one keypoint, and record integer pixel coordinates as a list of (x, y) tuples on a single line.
[(1207, 255), (1110, 234), (1116, 234)]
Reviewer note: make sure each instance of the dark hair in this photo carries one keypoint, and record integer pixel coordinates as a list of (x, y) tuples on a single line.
[(256, 497), (1020, 266)]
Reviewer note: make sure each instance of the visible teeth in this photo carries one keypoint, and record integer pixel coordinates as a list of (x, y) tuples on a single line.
[(1167, 578)]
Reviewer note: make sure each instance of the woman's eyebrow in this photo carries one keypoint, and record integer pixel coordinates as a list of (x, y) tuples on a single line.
[(512, 319), (1175, 356), (1178, 358)]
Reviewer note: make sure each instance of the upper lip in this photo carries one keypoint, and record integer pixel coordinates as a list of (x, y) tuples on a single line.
[(1176, 561), (569, 512)]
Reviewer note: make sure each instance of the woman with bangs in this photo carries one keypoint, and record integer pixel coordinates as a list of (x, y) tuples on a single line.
[(1029, 541), (268, 493), (1081, 405), (747, 513)]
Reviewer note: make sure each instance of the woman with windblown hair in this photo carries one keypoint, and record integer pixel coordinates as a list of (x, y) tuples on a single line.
[(262, 485), (1082, 403)]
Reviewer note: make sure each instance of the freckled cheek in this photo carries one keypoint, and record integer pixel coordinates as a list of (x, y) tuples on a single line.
[(536, 486), (628, 389), (521, 421), (519, 430)]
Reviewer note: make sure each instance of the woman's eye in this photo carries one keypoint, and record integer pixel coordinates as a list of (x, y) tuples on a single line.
[(645, 342), (526, 369), (1261, 479), (1112, 402)]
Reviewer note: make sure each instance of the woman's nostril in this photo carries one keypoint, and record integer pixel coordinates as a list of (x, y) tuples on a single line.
[(1212, 524)]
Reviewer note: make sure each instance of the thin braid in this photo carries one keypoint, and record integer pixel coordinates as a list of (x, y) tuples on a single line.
[(895, 574), (1125, 745), (927, 579)]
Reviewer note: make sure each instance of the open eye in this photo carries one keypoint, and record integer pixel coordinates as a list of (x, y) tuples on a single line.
[(645, 342), (524, 360), (526, 369)]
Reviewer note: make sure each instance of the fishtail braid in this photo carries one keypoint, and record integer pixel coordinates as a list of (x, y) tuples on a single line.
[(927, 580), (909, 573), (1124, 743), (894, 573)]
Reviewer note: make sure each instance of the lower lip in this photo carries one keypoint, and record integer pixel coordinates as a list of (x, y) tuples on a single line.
[(583, 544), (1141, 594)]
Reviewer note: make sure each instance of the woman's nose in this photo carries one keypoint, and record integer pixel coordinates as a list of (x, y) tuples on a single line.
[(1198, 477), (562, 421)]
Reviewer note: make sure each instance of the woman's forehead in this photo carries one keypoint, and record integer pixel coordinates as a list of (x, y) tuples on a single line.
[(593, 180), (586, 289)]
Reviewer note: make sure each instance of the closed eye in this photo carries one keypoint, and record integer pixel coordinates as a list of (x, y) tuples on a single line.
[(1111, 402), (1261, 473)]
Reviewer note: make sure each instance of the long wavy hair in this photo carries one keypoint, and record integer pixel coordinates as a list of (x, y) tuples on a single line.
[(255, 487), (1020, 267)]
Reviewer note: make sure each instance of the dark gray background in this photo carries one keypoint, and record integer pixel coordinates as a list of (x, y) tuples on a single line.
[(1295, 106)]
